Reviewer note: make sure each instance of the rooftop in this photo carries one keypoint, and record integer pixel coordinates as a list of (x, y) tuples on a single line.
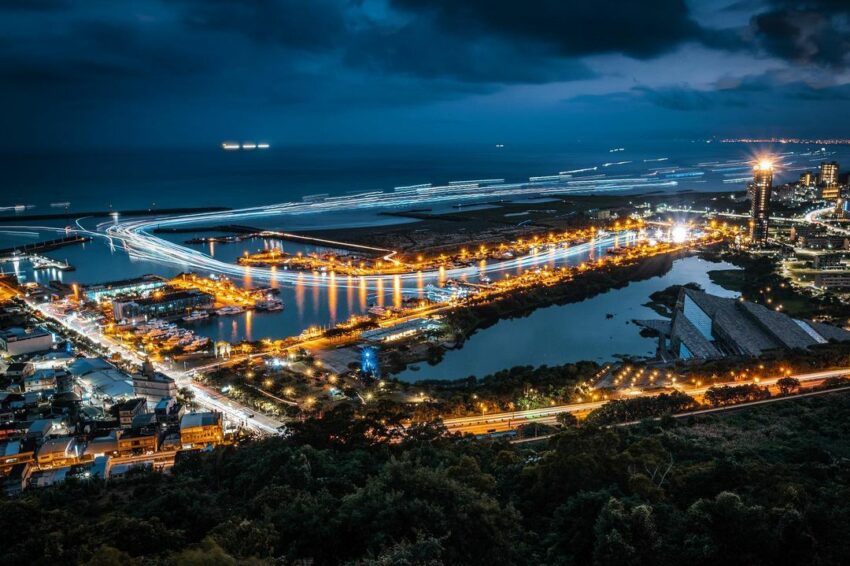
[(707, 326), (17, 333), (128, 405), (83, 366), (193, 420), (166, 297)]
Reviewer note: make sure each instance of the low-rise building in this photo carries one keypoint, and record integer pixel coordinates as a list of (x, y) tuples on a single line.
[(161, 305), (18, 341), (14, 452), (57, 452), (171, 442), (17, 479), (126, 411), (708, 327), (102, 445), (827, 260), (168, 411), (138, 442), (201, 429), (101, 380), (835, 280), (40, 429), (153, 385), (47, 478), (825, 242), (112, 289), (17, 371), (41, 380), (805, 231), (785, 192), (407, 329)]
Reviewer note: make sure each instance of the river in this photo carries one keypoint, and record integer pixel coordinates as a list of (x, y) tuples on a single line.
[(568, 333)]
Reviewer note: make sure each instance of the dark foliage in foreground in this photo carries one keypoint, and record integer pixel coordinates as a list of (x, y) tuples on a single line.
[(758, 486)]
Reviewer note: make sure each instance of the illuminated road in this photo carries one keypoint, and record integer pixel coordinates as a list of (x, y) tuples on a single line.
[(205, 397), (137, 238), (814, 218), (142, 245), (500, 422)]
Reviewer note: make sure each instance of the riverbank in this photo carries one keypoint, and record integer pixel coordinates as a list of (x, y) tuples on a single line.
[(533, 341)]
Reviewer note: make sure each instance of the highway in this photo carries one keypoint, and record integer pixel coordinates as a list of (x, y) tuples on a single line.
[(814, 218), (501, 422)]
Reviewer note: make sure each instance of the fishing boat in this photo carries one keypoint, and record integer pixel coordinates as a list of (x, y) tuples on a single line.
[(196, 316), (224, 311)]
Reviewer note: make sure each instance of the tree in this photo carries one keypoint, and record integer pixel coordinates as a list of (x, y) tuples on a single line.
[(208, 553), (788, 385), (627, 410), (108, 556), (735, 394), (424, 551), (566, 419), (725, 530), (625, 537)]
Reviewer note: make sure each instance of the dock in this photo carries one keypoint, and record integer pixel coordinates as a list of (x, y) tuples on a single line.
[(43, 246), (39, 262)]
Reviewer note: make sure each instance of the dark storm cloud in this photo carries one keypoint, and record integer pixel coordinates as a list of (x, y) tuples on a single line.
[(423, 47), (424, 50), (329, 93), (95, 55), (638, 29), (740, 93), (810, 32), (71, 68), (685, 99), (301, 24), (33, 5)]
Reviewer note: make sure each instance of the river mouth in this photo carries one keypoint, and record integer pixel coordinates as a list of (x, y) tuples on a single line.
[(595, 329)]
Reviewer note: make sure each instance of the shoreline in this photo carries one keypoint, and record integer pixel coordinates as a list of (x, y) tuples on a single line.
[(467, 321)]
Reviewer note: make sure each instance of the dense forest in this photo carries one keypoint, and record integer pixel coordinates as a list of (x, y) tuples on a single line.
[(765, 485)]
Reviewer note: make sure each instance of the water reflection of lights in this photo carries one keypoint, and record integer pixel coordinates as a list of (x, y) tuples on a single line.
[(135, 236)]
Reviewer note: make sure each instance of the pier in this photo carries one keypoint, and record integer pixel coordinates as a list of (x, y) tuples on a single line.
[(43, 246), (39, 262), (30, 252)]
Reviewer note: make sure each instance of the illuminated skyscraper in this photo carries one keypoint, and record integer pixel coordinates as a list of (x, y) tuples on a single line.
[(760, 203), (828, 174), (807, 179), (828, 181)]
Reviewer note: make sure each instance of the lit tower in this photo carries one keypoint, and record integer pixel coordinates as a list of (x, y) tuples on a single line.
[(369, 362), (828, 174), (828, 181), (760, 206)]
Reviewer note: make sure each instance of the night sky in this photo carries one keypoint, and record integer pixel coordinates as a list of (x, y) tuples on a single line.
[(114, 73)]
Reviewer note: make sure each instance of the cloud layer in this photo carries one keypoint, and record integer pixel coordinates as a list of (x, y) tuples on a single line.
[(198, 71)]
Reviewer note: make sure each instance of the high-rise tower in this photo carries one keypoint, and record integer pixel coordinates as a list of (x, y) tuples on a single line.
[(760, 205), (828, 174), (828, 181)]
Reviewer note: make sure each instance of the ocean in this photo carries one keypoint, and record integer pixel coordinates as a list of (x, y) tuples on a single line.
[(159, 178)]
